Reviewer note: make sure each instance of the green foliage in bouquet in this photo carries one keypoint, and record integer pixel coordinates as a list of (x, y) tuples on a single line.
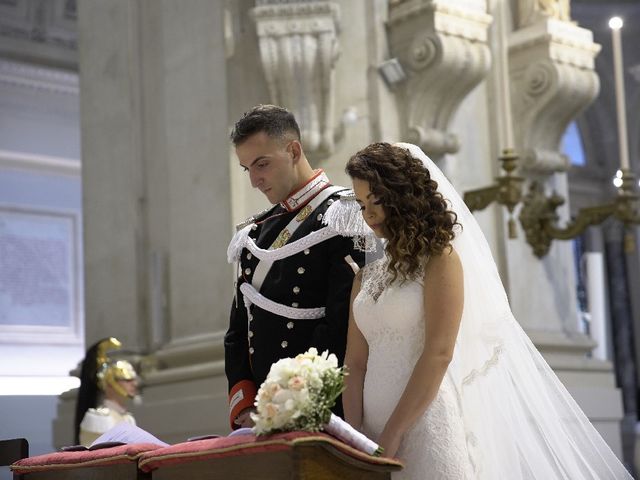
[(298, 393)]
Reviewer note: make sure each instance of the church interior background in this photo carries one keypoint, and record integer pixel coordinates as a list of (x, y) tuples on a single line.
[(119, 189)]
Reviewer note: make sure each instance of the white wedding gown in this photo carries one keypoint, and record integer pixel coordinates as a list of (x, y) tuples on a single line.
[(391, 318), (501, 412)]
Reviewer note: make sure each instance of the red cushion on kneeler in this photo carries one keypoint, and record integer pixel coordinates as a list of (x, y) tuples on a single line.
[(247, 444), (85, 458)]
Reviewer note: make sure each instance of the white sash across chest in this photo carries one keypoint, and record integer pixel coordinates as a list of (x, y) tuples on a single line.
[(268, 256), (265, 263)]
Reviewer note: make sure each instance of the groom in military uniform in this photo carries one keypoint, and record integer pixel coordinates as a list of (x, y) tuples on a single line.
[(294, 276)]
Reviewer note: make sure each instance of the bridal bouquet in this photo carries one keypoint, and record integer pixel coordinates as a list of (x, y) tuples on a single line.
[(298, 394)]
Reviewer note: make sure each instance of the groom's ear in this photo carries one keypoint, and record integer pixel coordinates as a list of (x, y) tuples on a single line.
[(296, 150)]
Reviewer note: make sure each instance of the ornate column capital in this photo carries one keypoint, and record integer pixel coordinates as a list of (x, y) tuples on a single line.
[(298, 48), (443, 49), (551, 66), (532, 11)]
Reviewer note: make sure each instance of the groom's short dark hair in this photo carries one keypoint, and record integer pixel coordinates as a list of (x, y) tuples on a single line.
[(275, 121)]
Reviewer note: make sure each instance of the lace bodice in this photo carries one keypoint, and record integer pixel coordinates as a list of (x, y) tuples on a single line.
[(374, 279), (392, 319)]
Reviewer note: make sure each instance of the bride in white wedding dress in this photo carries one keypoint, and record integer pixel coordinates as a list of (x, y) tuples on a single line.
[(392, 322), (440, 373)]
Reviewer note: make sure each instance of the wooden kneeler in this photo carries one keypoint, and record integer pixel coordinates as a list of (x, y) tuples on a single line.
[(12, 450), (115, 463), (290, 456)]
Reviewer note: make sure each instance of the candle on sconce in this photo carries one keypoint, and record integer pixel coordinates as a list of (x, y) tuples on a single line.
[(505, 103), (596, 302), (615, 24)]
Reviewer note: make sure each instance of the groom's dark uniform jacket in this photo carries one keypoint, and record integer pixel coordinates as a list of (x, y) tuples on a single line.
[(318, 276)]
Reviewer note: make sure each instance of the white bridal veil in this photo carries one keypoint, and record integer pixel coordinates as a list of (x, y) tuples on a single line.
[(520, 421)]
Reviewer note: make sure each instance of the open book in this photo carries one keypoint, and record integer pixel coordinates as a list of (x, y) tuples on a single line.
[(123, 433), (239, 431), (126, 433)]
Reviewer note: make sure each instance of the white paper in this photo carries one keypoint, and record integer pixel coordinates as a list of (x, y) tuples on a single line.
[(125, 432)]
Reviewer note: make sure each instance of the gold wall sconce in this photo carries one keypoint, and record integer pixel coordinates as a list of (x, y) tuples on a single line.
[(540, 222), (506, 191), (538, 216)]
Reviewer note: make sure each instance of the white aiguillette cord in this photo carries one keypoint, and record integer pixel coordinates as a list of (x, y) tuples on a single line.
[(262, 268)]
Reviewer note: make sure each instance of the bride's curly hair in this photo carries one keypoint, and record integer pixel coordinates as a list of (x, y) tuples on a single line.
[(417, 219)]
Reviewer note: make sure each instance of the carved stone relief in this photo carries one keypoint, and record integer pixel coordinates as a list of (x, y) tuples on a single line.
[(443, 49), (42, 21), (299, 48), (551, 66), (532, 11)]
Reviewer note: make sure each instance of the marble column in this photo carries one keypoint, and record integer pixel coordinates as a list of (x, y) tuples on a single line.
[(157, 200), (553, 78), (622, 329), (632, 255)]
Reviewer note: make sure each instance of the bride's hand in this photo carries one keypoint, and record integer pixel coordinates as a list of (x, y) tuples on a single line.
[(390, 443)]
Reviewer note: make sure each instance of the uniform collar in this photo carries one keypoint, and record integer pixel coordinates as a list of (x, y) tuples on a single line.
[(306, 192), (114, 406)]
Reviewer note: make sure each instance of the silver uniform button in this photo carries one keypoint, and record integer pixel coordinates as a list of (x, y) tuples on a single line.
[(296, 290), (284, 344), (290, 325), (251, 350), (307, 251), (250, 334), (250, 317), (254, 227), (331, 200), (319, 217), (295, 304), (300, 270), (247, 271), (249, 256)]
